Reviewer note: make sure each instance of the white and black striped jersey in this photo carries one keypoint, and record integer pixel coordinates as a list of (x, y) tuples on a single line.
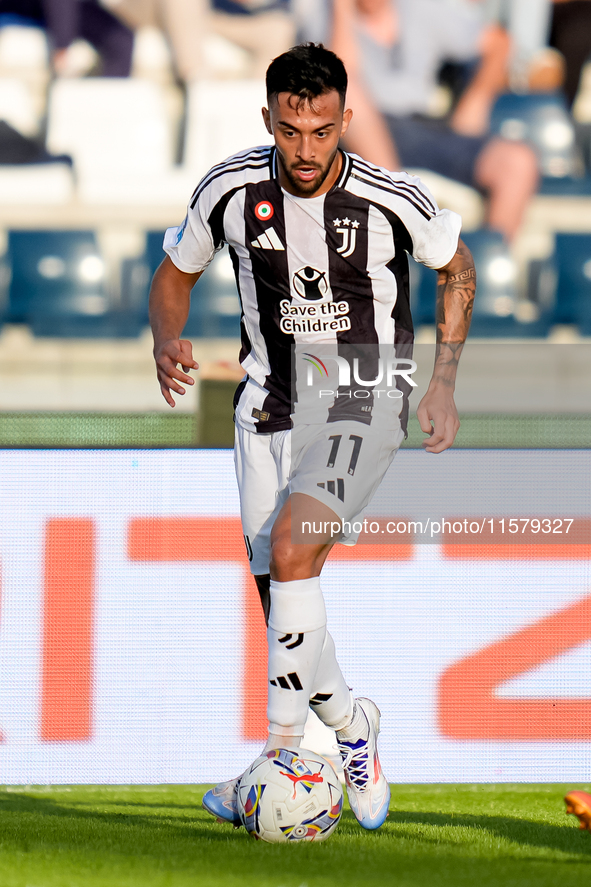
[(327, 269)]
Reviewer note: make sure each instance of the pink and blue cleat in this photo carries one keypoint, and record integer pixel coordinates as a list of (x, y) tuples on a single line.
[(367, 788), (222, 802)]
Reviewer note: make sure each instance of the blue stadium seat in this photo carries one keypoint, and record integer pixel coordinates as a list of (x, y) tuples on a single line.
[(573, 295), (568, 186), (58, 287), (543, 120), (423, 293), (497, 311), (4, 283), (215, 307)]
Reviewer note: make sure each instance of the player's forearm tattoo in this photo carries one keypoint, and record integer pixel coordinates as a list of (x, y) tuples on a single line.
[(455, 300), (447, 356)]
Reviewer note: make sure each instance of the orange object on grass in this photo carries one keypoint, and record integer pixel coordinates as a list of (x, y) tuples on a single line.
[(579, 804)]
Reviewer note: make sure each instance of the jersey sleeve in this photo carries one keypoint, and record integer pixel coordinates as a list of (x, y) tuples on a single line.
[(434, 232), (435, 241), (191, 245)]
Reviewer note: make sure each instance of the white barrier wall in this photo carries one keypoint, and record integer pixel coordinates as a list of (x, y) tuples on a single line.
[(132, 643)]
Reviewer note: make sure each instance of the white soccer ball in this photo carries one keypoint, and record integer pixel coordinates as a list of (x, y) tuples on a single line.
[(290, 794)]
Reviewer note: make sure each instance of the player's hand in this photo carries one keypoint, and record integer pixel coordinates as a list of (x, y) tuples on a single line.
[(168, 355), (438, 417)]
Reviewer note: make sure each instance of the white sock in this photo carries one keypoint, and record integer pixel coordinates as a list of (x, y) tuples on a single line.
[(276, 740), (295, 636), (331, 698), (356, 729)]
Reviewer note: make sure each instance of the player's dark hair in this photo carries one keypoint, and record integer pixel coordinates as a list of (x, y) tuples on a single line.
[(307, 71)]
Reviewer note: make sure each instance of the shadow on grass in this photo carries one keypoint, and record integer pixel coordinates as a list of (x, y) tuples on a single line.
[(197, 824), (49, 822), (521, 831)]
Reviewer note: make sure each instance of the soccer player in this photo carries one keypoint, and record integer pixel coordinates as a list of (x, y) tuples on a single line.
[(319, 241)]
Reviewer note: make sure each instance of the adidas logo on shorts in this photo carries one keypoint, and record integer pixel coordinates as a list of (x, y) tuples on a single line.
[(330, 487)]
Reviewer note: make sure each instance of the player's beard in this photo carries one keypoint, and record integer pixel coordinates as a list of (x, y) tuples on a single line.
[(306, 188)]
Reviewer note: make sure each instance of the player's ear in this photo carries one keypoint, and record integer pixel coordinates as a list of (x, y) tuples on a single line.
[(267, 119), (347, 115)]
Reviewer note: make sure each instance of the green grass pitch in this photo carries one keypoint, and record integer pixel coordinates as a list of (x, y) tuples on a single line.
[(158, 836)]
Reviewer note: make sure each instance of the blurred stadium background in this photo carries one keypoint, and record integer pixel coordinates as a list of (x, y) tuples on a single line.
[(93, 169), (81, 233)]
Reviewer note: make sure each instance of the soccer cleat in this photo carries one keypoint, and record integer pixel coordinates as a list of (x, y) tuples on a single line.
[(222, 802), (367, 788)]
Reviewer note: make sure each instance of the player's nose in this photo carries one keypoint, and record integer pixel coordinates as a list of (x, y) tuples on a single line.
[(305, 149)]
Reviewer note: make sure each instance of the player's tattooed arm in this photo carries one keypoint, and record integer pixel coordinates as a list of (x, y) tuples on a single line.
[(456, 286), (170, 297)]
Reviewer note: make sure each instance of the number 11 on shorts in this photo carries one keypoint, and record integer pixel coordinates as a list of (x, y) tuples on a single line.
[(336, 442)]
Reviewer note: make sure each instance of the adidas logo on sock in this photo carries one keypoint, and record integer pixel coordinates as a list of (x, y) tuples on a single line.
[(319, 698), (269, 239), (285, 684)]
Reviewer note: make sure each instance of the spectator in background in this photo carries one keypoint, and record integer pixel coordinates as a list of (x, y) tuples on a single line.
[(393, 50), (69, 20), (527, 22), (312, 20), (264, 28), (565, 25), (570, 34), (21, 12)]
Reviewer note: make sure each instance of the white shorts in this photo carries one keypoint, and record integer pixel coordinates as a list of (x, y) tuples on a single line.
[(340, 464)]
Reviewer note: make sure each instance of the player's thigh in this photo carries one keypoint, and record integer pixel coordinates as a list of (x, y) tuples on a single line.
[(262, 470)]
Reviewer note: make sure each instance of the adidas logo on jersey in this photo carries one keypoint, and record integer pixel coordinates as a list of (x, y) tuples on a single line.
[(269, 239)]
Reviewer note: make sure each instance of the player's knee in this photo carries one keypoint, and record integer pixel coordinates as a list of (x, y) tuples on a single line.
[(286, 557), (508, 166), (521, 164)]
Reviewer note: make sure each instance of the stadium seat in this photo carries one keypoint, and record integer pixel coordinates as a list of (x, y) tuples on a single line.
[(460, 198), (119, 133), (573, 295), (36, 184), (215, 307), (109, 125), (223, 117), (58, 287), (17, 106), (23, 47), (137, 273), (543, 120), (4, 284), (423, 292), (497, 310), (24, 54)]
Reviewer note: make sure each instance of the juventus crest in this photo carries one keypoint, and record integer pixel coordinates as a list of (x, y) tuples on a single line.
[(348, 229)]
